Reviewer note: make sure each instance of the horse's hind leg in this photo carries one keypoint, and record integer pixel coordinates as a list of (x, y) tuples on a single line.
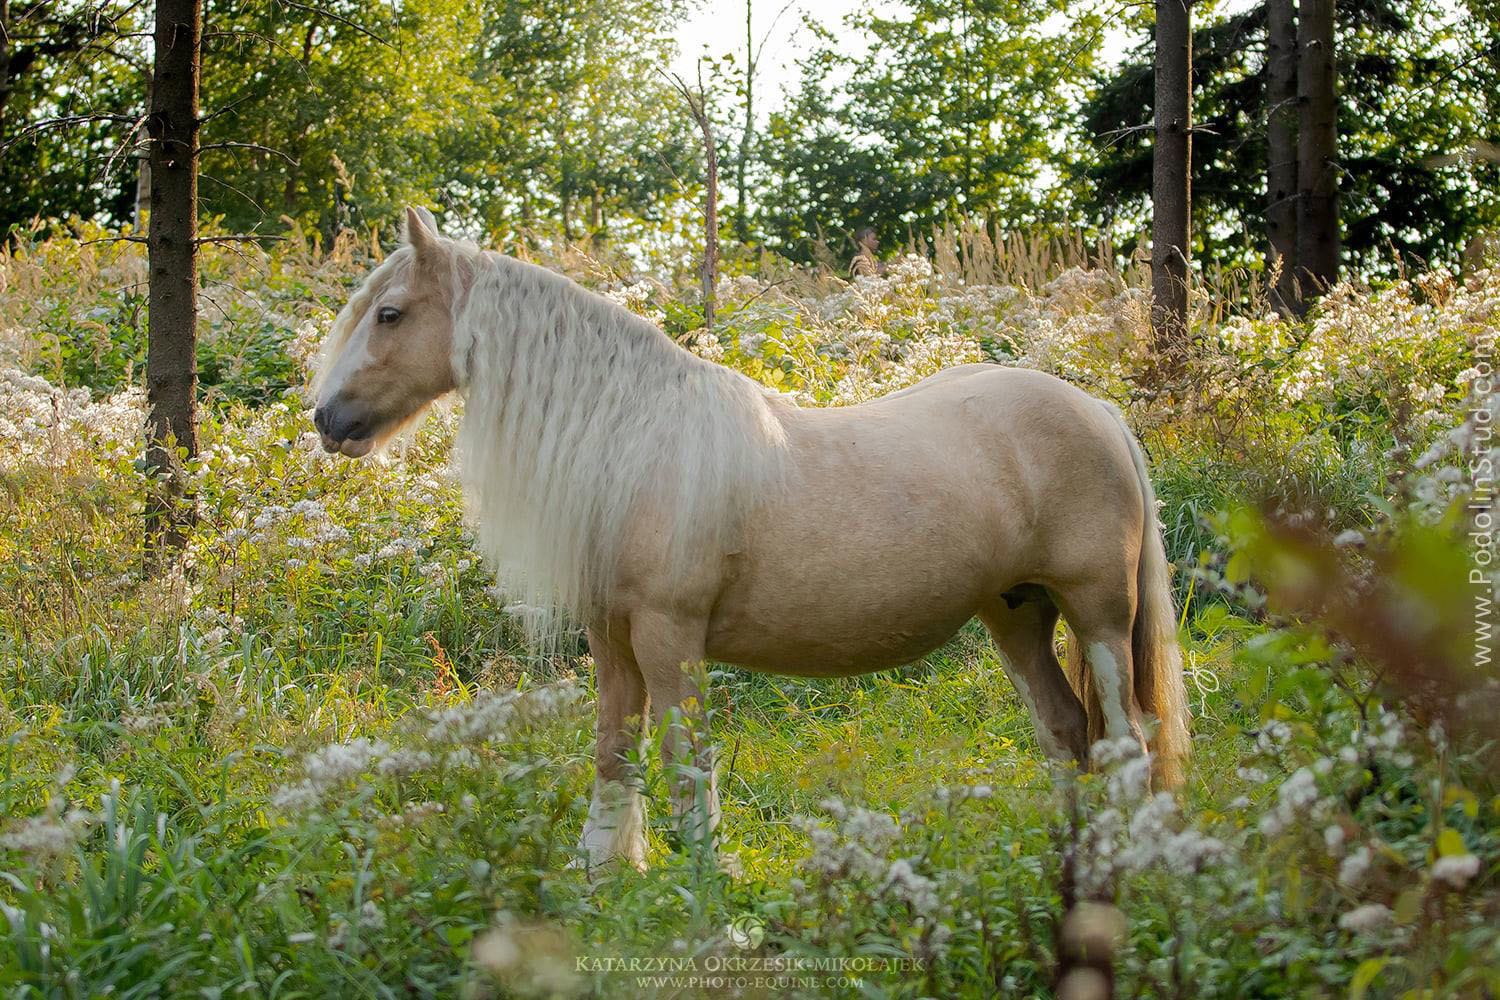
[(1101, 614), (1023, 634)]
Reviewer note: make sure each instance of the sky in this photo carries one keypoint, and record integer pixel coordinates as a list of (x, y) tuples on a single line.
[(718, 28)]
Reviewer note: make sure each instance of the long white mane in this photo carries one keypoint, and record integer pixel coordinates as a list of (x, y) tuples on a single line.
[(580, 414)]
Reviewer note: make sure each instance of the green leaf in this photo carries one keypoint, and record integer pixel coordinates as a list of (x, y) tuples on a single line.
[(1237, 570), (1364, 976), (1450, 843), (1408, 906)]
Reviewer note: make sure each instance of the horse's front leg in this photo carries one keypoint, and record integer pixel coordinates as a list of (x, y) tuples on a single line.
[(669, 650), (616, 825)]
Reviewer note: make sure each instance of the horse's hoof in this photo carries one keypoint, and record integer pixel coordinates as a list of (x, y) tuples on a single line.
[(595, 868)]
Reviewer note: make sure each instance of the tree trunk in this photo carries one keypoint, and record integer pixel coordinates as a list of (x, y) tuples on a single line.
[(1281, 152), (1171, 184), (142, 189), (171, 363), (710, 216), (1317, 147), (143, 173), (742, 218), (5, 84)]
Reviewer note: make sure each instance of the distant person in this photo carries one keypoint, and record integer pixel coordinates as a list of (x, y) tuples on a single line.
[(866, 261)]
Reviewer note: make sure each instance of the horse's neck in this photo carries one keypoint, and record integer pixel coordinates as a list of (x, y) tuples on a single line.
[(554, 363), (578, 327), (578, 413)]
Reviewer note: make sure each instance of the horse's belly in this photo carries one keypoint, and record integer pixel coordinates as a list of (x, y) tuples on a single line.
[(836, 624), (837, 652)]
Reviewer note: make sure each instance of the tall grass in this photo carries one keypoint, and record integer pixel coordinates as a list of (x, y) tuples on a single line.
[(238, 778)]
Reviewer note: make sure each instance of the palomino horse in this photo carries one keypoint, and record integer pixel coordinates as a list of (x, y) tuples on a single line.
[(682, 512)]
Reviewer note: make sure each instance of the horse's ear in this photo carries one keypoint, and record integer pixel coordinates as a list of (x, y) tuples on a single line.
[(421, 228)]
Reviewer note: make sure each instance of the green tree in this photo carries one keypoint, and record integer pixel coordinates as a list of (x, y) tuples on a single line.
[(71, 78), (1416, 100), (575, 129), (343, 116), (505, 114), (954, 114)]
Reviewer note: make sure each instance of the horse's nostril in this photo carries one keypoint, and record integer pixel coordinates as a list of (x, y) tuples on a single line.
[(341, 419), (348, 422)]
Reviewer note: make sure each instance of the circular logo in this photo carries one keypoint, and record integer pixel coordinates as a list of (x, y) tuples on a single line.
[(746, 931)]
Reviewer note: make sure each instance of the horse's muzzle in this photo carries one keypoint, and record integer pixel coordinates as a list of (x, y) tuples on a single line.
[(344, 428)]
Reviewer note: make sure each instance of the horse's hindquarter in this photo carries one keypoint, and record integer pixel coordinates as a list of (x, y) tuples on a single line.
[(901, 516)]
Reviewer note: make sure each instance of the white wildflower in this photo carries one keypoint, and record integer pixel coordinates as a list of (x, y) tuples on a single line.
[(1355, 867), (1456, 870), (48, 835), (1131, 779), (917, 891), (371, 916), (1273, 736), (1363, 919), (1107, 752)]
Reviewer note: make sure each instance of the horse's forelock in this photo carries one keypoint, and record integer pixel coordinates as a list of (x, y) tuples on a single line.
[(359, 303)]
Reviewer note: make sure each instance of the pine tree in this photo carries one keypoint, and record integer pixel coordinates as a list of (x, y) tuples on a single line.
[(1171, 186), (1318, 168), (171, 358)]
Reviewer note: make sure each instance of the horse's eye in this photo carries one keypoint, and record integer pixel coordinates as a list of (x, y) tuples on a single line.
[(387, 314)]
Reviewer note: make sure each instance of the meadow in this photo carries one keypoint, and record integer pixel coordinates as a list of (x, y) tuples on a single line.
[(319, 758)]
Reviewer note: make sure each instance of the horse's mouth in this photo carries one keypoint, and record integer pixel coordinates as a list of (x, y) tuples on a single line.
[(357, 438), (348, 447)]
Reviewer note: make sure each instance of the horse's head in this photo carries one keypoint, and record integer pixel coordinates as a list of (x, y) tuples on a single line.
[(389, 353)]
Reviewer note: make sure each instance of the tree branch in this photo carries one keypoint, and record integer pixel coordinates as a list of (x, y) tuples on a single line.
[(205, 119), (126, 143), (235, 238), (114, 239), (247, 145), (63, 121), (339, 18), (204, 175)]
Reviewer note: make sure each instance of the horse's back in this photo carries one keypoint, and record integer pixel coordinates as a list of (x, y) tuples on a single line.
[(987, 415), (1055, 461), (1007, 385)]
